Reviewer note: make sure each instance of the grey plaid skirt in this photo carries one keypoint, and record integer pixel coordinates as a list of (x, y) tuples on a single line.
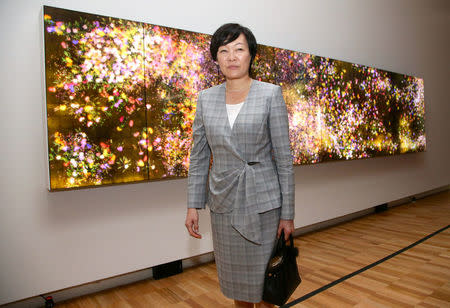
[(240, 263)]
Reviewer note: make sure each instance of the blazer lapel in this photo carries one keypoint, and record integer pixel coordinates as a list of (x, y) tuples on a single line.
[(231, 135), (244, 110), (222, 109)]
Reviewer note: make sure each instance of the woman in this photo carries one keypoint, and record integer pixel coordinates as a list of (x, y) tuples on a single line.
[(243, 124)]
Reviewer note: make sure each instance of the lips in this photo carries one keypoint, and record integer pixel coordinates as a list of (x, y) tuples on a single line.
[(233, 67)]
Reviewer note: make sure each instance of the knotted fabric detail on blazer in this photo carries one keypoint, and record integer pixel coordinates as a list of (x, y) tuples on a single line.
[(245, 217)]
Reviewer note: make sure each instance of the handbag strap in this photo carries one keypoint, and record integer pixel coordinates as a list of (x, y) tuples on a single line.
[(280, 246), (282, 243)]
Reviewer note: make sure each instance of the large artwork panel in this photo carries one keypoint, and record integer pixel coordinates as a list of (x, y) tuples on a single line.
[(177, 67), (295, 75), (121, 99), (95, 99), (366, 111)]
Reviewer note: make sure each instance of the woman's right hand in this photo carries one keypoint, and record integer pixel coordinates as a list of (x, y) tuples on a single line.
[(192, 223)]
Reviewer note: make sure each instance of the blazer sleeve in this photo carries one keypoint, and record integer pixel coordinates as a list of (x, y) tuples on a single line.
[(279, 135), (199, 162)]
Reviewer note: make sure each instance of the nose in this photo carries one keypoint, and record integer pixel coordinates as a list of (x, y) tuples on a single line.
[(231, 56)]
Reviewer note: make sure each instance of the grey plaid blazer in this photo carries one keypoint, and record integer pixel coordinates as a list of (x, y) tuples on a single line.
[(252, 168)]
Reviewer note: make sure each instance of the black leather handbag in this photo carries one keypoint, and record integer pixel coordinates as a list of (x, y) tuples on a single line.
[(282, 277)]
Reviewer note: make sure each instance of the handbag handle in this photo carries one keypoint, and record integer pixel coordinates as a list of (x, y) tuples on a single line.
[(283, 242), (281, 249)]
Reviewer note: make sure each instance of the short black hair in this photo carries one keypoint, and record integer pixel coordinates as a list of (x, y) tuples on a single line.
[(228, 33)]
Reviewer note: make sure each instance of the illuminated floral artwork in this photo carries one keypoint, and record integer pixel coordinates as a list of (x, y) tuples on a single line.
[(121, 99)]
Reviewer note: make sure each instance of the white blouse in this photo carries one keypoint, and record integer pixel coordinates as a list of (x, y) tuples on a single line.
[(233, 111)]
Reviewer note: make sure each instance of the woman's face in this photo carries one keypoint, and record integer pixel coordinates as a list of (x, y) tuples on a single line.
[(234, 58)]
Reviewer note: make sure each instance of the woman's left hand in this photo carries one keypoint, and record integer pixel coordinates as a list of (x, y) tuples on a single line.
[(287, 226)]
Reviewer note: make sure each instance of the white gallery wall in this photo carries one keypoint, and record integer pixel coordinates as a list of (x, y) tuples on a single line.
[(50, 241)]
